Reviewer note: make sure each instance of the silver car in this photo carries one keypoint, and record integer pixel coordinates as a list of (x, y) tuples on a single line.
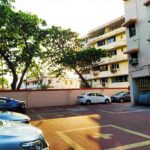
[(20, 136), (13, 116)]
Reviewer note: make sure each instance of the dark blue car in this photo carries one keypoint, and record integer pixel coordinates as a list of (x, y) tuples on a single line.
[(11, 104)]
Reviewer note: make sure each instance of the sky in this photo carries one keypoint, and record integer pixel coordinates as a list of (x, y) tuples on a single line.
[(79, 15)]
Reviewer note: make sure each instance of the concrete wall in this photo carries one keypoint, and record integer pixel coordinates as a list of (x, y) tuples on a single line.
[(55, 97)]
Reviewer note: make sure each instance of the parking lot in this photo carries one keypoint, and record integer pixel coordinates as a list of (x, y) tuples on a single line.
[(115, 126)]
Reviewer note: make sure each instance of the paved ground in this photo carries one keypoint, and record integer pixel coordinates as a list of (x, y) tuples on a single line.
[(95, 127)]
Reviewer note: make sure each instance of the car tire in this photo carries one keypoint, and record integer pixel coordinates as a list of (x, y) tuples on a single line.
[(88, 102), (121, 100), (107, 101)]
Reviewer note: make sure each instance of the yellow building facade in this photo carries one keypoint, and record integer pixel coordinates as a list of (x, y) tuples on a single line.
[(110, 72)]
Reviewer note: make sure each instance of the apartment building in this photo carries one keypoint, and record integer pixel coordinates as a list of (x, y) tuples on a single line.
[(110, 72), (137, 23), (50, 83)]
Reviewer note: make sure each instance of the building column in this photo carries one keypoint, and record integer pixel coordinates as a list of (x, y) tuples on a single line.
[(135, 91)]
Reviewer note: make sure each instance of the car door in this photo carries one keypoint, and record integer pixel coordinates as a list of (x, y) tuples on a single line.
[(91, 96), (100, 98), (127, 96)]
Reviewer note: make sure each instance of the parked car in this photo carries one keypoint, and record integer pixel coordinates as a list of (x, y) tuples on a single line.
[(13, 116), (93, 97), (20, 136), (121, 97), (11, 104)]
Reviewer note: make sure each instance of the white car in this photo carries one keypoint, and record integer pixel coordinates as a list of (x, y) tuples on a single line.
[(93, 97)]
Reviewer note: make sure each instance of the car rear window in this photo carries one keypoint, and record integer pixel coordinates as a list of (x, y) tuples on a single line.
[(83, 94), (119, 93)]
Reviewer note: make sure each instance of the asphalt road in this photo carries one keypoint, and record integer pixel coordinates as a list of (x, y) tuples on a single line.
[(115, 126)]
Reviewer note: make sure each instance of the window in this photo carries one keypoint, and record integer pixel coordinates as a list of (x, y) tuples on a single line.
[(34, 82), (134, 59), (111, 39), (119, 79), (2, 101), (114, 66), (91, 94), (101, 43), (97, 94), (95, 80), (103, 80), (49, 81), (132, 30), (96, 68), (41, 81), (104, 68), (113, 52)]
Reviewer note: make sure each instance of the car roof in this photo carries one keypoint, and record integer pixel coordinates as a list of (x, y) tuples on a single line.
[(90, 92)]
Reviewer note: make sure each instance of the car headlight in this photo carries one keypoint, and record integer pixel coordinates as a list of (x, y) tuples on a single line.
[(35, 145)]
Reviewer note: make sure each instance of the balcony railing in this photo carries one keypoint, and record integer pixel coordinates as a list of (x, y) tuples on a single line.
[(106, 35), (114, 45)]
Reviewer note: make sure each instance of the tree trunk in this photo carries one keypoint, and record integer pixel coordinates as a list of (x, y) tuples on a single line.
[(86, 84), (23, 74), (14, 83), (12, 68)]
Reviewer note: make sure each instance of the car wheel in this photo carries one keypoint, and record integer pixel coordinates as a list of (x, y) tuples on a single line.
[(88, 102), (121, 100), (107, 101)]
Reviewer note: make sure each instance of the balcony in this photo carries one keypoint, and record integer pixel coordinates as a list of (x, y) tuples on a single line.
[(107, 35), (114, 45), (113, 59), (110, 73)]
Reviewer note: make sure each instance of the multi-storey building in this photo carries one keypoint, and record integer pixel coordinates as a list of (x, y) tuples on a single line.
[(50, 83), (111, 72), (137, 23)]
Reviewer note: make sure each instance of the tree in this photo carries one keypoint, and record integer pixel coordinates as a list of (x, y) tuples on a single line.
[(64, 52), (80, 61), (21, 35)]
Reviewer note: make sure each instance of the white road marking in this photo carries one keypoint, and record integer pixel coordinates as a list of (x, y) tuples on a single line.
[(103, 136), (134, 145), (76, 146)]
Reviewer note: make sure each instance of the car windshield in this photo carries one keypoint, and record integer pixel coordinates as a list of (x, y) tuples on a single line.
[(119, 93)]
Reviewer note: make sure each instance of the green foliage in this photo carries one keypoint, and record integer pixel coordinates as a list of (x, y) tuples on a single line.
[(3, 82), (58, 42), (21, 36), (82, 59), (64, 52)]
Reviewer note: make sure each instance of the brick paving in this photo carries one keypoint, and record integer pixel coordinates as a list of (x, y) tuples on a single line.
[(115, 126)]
